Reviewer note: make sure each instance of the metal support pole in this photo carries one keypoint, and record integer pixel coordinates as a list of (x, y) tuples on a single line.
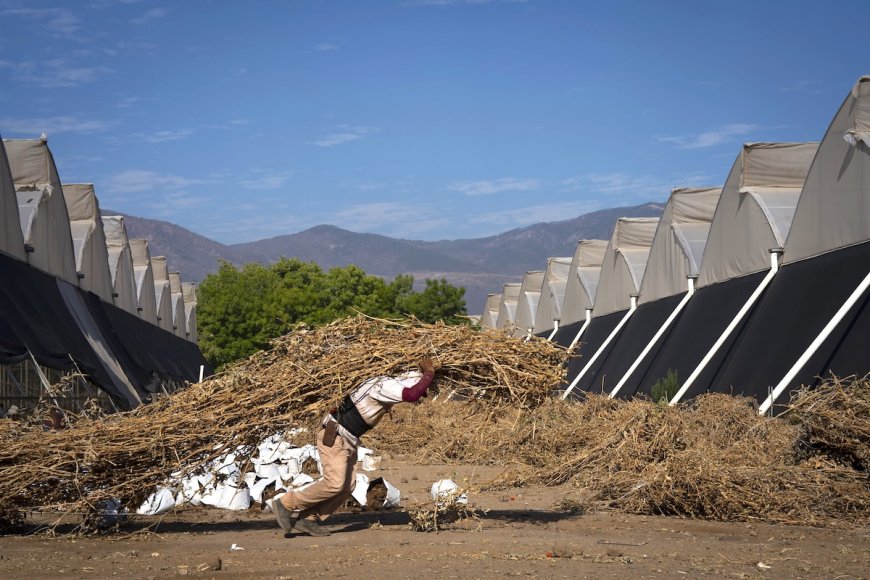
[(741, 314), (602, 348)]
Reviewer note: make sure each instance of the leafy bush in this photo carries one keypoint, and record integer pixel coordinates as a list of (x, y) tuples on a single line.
[(666, 387), (239, 310)]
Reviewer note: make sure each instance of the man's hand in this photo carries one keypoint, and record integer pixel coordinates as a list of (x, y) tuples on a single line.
[(426, 365)]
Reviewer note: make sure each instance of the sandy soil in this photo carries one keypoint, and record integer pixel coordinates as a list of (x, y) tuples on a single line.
[(521, 534)]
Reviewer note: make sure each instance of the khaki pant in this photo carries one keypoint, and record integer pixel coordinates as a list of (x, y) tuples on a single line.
[(327, 494)]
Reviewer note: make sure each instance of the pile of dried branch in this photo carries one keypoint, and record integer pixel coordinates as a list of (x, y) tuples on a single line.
[(712, 458), (836, 420), (303, 374)]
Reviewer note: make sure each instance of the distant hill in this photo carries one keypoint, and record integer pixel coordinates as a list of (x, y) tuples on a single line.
[(331, 246), (193, 255), (481, 265)]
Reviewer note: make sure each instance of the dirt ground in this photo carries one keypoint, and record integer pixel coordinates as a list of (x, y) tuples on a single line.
[(520, 534)]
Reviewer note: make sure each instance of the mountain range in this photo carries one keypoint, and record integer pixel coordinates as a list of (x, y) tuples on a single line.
[(481, 265)]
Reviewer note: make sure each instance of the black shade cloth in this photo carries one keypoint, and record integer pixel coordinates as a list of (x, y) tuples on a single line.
[(594, 336), (800, 301), (65, 327), (153, 348), (34, 310), (699, 326), (609, 369), (565, 335)]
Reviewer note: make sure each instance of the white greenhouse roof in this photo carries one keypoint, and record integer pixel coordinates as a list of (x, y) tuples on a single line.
[(188, 289), (11, 238), (834, 208), (679, 242), (120, 263), (89, 240), (582, 282), (755, 209), (527, 301), (552, 294), (145, 297), (507, 309), (177, 297), (41, 208), (624, 262), (162, 293), (489, 318)]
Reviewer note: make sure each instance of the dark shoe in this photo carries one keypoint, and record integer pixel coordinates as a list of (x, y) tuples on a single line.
[(286, 518), (311, 528)]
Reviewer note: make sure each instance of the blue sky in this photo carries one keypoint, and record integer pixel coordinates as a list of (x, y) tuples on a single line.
[(430, 119)]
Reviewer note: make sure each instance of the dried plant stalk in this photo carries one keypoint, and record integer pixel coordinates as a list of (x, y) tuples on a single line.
[(302, 375)]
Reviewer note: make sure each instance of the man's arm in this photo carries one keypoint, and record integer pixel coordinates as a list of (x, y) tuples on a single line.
[(411, 394)]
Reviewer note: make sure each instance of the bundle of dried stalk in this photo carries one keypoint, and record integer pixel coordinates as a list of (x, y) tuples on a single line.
[(304, 373), (433, 516), (836, 419), (711, 458)]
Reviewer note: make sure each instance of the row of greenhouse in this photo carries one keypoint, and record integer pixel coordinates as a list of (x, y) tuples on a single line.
[(755, 287), (78, 294)]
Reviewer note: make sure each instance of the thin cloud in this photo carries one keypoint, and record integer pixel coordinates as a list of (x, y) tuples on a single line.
[(58, 20), (496, 186), (457, 2), (168, 205), (389, 218), (273, 181), (233, 124), (326, 47), (524, 216), (55, 73), (140, 180), (624, 184), (128, 102), (150, 15), (52, 125), (369, 186), (802, 86), (345, 134), (163, 136), (712, 138)]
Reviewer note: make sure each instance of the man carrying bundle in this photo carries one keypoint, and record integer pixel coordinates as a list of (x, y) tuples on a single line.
[(337, 442)]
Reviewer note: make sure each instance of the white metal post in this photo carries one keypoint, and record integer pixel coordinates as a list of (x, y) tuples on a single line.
[(753, 298), (603, 346), (691, 290), (582, 329), (555, 330), (814, 346)]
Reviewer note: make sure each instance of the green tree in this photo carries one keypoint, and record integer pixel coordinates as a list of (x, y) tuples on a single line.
[(439, 301), (237, 312), (240, 309)]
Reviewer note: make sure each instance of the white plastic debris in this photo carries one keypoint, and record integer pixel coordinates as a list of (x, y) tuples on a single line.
[(371, 462), (447, 488), (393, 495), (258, 487), (267, 470), (159, 502), (220, 483), (361, 452), (227, 496), (361, 489), (300, 481)]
